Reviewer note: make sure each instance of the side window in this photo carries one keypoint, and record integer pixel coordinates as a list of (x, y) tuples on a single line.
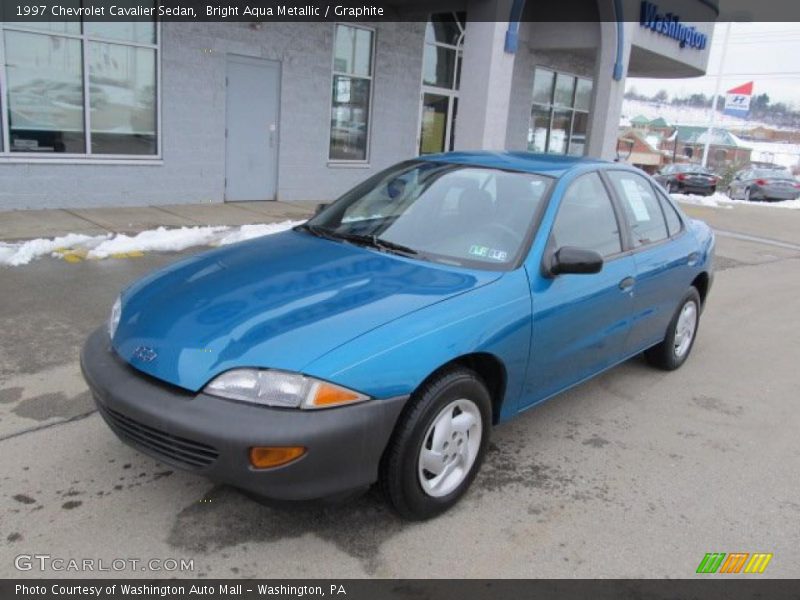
[(673, 220), (586, 218), (641, 207)]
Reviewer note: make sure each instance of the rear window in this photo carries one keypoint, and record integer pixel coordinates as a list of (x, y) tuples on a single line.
[(641, 207), (772, 174)]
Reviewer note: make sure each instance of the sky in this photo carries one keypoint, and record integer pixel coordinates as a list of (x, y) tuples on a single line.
[(765, 53)]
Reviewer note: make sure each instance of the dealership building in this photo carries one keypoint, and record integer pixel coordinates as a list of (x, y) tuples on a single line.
[(113, 113)]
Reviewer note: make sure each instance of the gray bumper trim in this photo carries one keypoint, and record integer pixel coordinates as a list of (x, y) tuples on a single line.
[(344, 445)]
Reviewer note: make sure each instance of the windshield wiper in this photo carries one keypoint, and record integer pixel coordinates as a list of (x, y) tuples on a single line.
[(375, 242), (316, 230), (371, 240)]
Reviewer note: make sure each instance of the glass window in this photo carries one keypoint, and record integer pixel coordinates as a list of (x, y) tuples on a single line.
[(434, 123), (583, 94), (560, 113), (44, 75), (673, 220), (564, 94), (543, 81), (353, 51), (445, 28), (641, 207), (442, 212), (351, 93), (122, 95), (539, 129), (586, 218), (48, 91), (439, 66)]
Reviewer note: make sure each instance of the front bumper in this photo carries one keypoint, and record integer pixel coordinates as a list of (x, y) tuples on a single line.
[(212, 436)]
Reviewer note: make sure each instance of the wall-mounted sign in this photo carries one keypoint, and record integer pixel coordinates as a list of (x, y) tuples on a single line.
[(737, 100), (669, 24)]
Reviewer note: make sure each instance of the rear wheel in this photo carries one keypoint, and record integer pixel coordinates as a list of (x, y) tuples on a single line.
[(671, 188), (677, 345), (438, 446), (747, 194)]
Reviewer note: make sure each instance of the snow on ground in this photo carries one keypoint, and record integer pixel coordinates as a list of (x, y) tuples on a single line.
[(718, 200), (154, 240)]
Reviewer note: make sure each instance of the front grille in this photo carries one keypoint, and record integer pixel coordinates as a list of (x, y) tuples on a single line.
[(172, 447)]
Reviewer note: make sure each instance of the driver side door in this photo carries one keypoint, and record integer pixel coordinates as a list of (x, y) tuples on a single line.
[(580, 321)]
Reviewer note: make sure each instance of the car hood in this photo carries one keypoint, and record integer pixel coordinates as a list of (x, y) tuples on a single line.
[(280, 301)]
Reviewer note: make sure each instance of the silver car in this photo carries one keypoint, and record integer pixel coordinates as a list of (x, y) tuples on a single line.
[(764, 184)]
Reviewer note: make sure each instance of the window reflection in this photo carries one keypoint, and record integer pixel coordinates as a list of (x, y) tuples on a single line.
[(45, 93), (122, 94)]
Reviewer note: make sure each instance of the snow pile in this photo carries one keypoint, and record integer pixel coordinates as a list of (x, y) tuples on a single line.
[(24, 252), (715, 200), (154, 240), (157, 240), (718, 200)]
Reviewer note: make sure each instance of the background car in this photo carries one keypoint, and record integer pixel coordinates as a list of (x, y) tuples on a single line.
[(382, 339), (769, 184), (687, 178)]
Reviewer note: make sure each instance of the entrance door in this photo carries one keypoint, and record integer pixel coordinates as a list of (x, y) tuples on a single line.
[(437, 122), (251, 128)]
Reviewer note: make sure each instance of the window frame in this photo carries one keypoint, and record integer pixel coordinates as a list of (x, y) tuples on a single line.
[(345, 162), (622, 223), (88, 157), (551, 107), (630, 248)]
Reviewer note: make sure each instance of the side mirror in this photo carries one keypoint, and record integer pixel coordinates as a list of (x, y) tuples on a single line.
[(569, 259), (320, 207)]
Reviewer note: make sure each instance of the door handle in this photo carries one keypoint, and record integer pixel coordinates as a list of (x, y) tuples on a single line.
[(627, 284)]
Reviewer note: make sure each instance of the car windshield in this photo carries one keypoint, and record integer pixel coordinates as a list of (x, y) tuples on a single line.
[(442, 212), (772, 174)]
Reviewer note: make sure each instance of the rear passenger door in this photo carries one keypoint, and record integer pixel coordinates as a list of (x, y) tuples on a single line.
[(661, 250)]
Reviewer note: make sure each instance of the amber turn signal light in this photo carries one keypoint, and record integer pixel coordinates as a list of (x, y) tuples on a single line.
[(332, 395), (265, 457)]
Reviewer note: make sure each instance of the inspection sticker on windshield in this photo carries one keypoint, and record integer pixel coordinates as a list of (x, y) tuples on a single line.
[(486, 252)]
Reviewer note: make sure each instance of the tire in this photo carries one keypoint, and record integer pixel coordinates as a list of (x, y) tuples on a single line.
[(448, 395), (747, 195), (671, 189), (729, 193), (671, 353)]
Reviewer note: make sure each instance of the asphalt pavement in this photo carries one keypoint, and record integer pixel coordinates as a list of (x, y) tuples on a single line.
[(638, 473)]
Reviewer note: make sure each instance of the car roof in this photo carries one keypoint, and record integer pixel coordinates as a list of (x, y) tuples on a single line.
[(544, 164)]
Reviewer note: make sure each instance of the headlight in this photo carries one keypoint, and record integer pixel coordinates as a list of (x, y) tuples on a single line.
[(113, 319), (279, 388)]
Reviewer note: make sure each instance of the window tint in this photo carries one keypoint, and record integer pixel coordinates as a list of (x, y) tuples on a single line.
[(673, 220), (641, 207), (586, 218)]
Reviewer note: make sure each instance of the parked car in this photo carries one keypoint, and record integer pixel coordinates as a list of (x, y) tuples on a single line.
[(382, 339), (687, 178), (769, 184)]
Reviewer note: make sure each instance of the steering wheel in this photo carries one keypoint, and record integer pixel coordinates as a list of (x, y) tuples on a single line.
[(506, 231)]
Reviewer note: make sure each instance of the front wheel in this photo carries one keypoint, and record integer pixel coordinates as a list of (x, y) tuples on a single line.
[(674, 350), (438, 446)]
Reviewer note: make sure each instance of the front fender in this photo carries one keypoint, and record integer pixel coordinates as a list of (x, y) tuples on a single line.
[(396, 358)]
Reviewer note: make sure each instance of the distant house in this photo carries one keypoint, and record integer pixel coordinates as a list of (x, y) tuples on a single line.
[(640, 122), (688, 142), (640, 149)]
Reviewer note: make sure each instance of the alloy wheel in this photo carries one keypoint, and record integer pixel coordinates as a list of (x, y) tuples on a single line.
[(450, 447), (685, 329)]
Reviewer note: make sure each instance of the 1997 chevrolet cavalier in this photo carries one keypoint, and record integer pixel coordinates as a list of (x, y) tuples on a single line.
[(381, 340)]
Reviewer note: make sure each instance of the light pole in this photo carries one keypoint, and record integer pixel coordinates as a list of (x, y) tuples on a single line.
[(710, 131)]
